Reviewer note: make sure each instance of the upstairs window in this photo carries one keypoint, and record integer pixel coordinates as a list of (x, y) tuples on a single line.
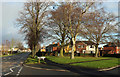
[(79, 46), (91, 46)]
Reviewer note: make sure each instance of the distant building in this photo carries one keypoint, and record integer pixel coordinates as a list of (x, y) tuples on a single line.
[(15, 49), (29, 50), (24, 50)]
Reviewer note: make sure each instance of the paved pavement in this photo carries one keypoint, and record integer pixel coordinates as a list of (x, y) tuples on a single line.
[(34, 71), (39, 69), (13, 61)]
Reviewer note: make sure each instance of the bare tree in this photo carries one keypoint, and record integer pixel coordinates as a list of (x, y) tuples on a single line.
[(32, 21), (57, 26), (99, 27), (12, 44), (72, 18), (2, 48), (19, 45), (5, 46), (67, 21)]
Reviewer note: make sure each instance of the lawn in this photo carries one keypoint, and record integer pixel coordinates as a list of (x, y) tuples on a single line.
[(99, 64), (95, 64), (65, 60)]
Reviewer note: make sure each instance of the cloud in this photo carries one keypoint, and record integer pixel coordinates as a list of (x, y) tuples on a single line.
[(111, 7), (10, 11)]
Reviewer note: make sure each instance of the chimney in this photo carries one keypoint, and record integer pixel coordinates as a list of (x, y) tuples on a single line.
[(109, 43), (53, 43), (58, 44), (118, 41)]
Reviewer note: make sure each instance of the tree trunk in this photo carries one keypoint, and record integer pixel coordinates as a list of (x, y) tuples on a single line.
[(96, 50), (61, 50), (36, 49), (73, 48), (11, 51), (33, 52)]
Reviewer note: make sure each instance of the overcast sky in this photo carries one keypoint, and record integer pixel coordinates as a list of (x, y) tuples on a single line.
[(10, 11)]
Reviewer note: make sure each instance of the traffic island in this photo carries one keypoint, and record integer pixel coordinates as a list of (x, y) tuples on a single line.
[(36, 60), (89, 62), (78, 69)]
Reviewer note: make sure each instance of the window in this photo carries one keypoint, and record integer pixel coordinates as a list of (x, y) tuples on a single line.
[(79, 46), (91, 46), (82, 46)]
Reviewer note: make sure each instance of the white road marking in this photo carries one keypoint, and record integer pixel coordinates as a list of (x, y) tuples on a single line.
[(11, 69), (19, 71)]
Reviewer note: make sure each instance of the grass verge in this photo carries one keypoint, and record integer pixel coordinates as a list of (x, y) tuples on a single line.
[(95, 64), (31, 60)]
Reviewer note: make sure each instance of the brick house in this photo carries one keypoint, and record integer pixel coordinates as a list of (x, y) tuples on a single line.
[(54, 47), (85, 47), (111, 48), (82, 47)]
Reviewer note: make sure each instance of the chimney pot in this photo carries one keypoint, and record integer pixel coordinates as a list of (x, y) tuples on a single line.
[(58, 44), (53, 42), (109, 43)]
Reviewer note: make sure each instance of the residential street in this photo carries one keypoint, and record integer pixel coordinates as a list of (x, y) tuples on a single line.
[(74, 38), (12, 66), (14, 61), (55, 69), (46, 70)]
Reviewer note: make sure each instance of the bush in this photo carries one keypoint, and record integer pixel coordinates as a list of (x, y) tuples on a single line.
[(66, 54), (31, 60)]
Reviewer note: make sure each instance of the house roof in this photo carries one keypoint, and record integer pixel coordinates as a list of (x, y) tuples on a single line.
[(105, 50), (52, 45), (86, 42), (112, 45)]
